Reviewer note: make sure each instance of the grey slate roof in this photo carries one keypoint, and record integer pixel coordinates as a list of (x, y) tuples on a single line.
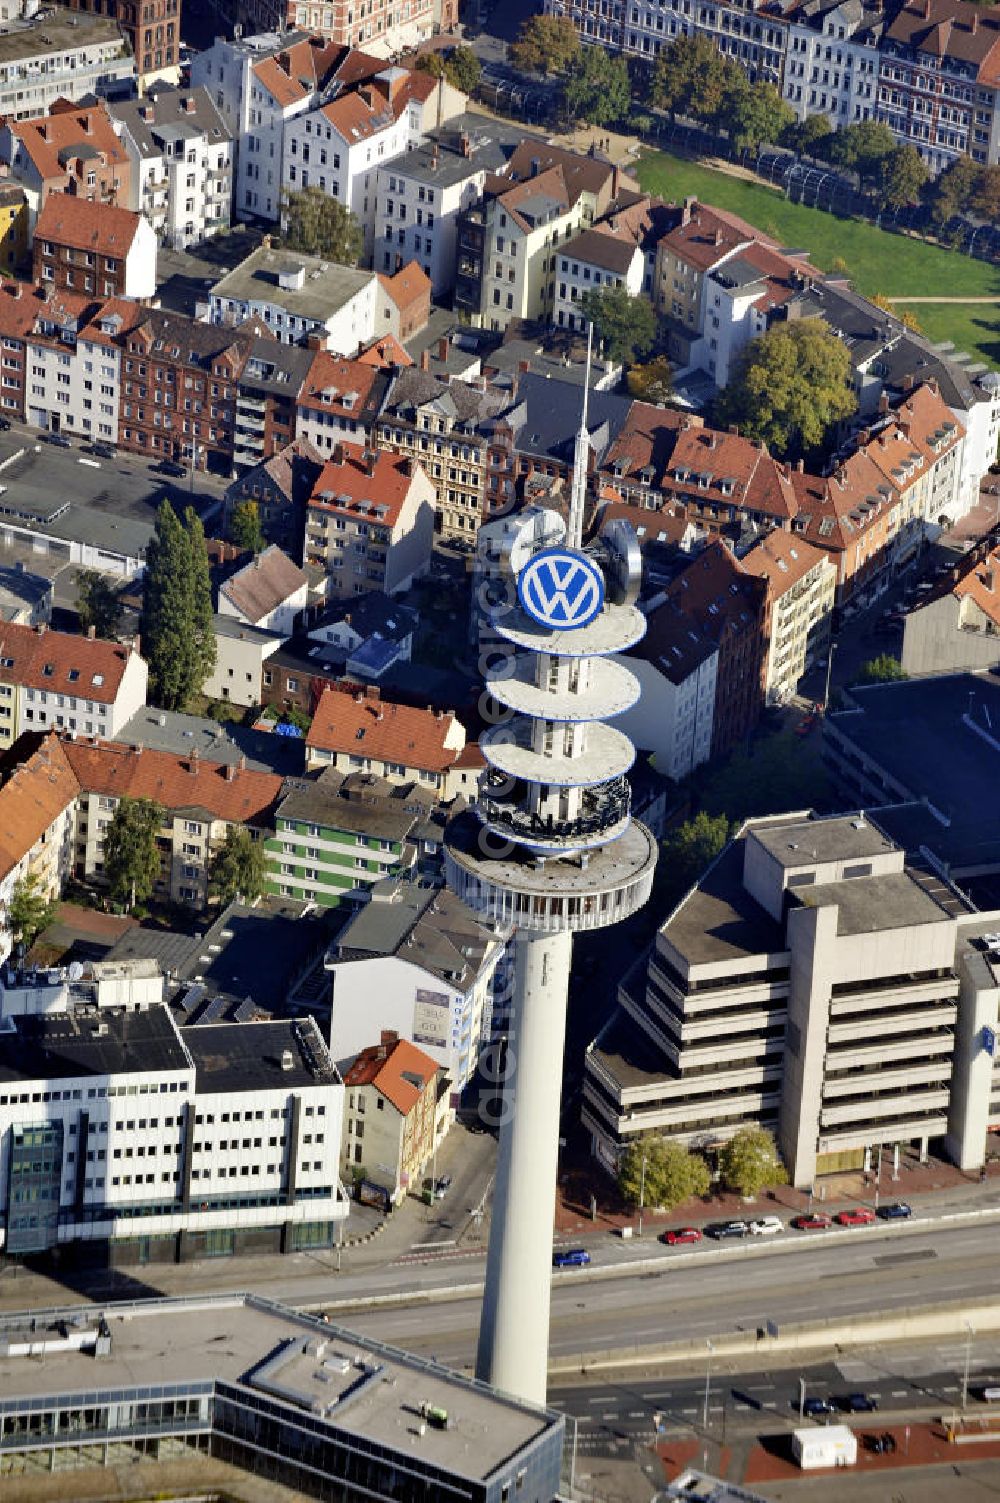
[(546, 417), (171, 121)]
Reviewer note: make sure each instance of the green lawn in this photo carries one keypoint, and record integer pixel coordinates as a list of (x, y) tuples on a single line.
[(877, 261)]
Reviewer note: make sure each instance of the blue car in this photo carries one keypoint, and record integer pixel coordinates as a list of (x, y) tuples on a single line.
[(898, 1210), (573, 1257)]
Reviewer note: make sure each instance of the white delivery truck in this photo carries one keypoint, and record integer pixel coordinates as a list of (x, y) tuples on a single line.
[(825, 1446)]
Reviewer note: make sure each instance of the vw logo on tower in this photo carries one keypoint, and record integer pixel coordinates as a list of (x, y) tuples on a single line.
[(561, 590)]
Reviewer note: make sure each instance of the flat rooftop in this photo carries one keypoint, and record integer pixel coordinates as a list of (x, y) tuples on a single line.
[(326, 286), (171, 731), (311, 802), (59, 31), (259, 1346), (627, 1054), (938, 739), (719, 920), (248, 1056), (844, 838), (66, 1045), (868, 905)]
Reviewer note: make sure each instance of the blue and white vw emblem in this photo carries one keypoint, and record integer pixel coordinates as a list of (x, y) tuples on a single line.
[(561, 590)]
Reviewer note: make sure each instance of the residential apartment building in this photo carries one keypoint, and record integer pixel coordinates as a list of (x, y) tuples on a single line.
[(162, 1143), (446, 428), (392, 1091), (832, 63), (267, 393), (428, 205), (38, 819), (96, 248), (339, 399), (754, 37), (179, 389), (71, 149), (240, 654), (742, 298), (201, 801), (53, 680), (370, 522), (813, 983), (383, 25), (259, 84), (15, 215), (957, 625), (404, 302), (677, 667), (73, 361), (801, 589), (594, 259), (331, 845), (280, 488), (357, 730), (58, 56), (153, 35), (297, 297), (181, 164), (271, 592), (432, 965), (340, 146)]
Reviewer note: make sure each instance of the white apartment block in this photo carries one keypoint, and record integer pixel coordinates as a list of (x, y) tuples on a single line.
[(815, 984), (181, 154), (802, 588), (73, 377), (832, 63), (164, 1143), (53, 680), (677, 667), (592, 261), (62, 54), (296, 296), (754, 36)]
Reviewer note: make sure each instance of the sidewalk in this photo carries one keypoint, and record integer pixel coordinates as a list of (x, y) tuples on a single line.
[(933, 1186)]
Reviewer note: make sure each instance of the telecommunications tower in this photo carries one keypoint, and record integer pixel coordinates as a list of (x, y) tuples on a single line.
[(548, 848)]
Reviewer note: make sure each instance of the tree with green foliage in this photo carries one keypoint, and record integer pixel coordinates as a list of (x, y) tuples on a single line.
[(790, 387), (598, 89), (861, 148), (624, 324), (202, 619), (462, 69), (653, 382), (546, 44), (808, 137), (29, 911), (131, 857), (686, 852), (239, 868), (97, 604), (430, 62), (755, 115), (953, 191), (244, 529), (671, 1173), (883, 669), (900, 177), (749, 1162), (317, 224), (177, 637), (691, 77)]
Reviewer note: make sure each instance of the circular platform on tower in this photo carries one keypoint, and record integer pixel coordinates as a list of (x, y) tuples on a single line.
[(611, 691), (615, 629)]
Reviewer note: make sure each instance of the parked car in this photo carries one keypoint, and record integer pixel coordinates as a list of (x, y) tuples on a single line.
[(679, 1234), (815, 1221), (104, 451), (442, 1185), (896, 1210), (815, 1407), (859, 1403), (59, 439), (856, 1216), (766, 1226), (170, 467), (808, 724), (572, 1257), (5, 424), (722, 1230)]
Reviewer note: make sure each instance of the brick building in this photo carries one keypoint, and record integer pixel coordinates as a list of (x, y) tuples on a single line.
[(153, 30), (94, 248)]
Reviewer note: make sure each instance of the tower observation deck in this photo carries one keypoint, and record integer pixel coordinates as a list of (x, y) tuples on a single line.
[(548, 848)]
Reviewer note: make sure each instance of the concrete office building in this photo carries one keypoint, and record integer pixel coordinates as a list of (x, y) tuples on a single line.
[(293, 1400), (814, 983), (550, 847), (297, 296), (159, 1143)]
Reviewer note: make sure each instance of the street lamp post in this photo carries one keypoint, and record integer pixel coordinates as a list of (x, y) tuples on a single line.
[(642, 1190), (802, 1399), (829, 673), (968, 1362), (708, 1383)]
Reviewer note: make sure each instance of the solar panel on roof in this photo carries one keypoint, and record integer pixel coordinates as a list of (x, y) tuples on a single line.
[(214, 1011)]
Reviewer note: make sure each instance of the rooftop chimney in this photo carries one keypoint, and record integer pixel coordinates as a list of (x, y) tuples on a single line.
[(425, 360), (370, 457), (389, 1037), (443, 347), (189, 104), (230, 772)]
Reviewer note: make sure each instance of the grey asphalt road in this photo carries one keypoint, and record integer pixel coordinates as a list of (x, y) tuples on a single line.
[(722, 1293)]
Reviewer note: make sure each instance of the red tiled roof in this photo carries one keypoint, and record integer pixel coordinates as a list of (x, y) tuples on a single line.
[(238, 795), (46, 137), (362, 724), (61, 662), (385, 352), (718, 593), (77, 222), (782, 559), (330, 379), (346, 487), (964, 32), (398, 1071), (409, 285), (709, 234), (32, 798), (981, 585), (297, 72)]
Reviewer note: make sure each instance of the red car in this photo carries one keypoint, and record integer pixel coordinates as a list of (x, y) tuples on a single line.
[(814, 1222), (858, 1216), (681, 1234)]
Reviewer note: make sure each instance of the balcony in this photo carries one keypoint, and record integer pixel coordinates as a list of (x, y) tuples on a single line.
[(601, 810)]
